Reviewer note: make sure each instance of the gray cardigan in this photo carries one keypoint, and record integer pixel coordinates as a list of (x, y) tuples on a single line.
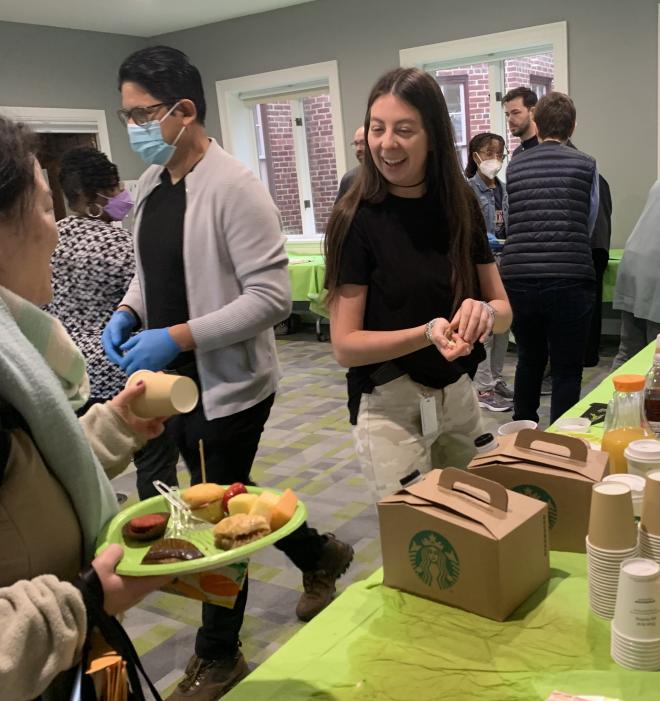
[(237, 281)]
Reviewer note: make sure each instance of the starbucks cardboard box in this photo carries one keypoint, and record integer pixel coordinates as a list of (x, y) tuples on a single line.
[(559, 470), (465, 541)]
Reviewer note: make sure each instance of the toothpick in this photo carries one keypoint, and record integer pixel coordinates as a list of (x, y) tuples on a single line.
[(202, 461)]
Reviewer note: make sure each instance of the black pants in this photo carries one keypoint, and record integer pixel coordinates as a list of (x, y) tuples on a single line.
[(549, 316), (591, 355), (230, 444)]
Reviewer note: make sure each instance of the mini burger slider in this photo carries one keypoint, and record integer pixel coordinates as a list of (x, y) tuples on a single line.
[(205, 501), (241, 529)]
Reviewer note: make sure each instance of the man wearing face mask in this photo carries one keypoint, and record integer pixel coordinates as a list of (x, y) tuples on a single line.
[(211, 282), (93, 262), (486, 155), (358, 145)]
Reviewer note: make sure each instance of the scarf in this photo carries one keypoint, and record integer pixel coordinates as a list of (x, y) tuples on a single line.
[(42, 376)]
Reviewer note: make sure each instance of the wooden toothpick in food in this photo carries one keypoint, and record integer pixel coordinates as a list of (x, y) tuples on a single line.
[(202, 461)]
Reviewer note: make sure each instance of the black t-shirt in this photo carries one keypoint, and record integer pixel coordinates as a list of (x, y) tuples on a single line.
[(160, 242), (399, 249)]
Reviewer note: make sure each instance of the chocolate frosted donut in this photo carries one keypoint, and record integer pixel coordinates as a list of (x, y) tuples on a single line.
[(170, 550)]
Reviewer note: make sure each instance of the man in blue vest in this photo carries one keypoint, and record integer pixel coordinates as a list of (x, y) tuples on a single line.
[(547, 265)]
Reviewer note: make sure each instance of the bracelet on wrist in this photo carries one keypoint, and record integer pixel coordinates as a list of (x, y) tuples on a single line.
[(490, 309), (428, 331)]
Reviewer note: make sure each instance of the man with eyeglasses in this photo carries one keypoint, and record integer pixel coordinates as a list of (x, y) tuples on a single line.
[(211, 283), (358, 145)]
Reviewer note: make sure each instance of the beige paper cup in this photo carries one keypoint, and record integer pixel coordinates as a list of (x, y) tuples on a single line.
[(611, 519), (637, 610), (650, 520), (164, 395), (515, 426)]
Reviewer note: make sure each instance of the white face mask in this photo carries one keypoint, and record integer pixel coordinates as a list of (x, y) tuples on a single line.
[(490, 168)]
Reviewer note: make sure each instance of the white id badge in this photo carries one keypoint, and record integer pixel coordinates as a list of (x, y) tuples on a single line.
[(429, 415)]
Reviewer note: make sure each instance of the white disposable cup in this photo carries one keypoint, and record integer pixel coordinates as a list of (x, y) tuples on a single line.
[(577, 424), (515, 426), (642, 456), (637, 609)]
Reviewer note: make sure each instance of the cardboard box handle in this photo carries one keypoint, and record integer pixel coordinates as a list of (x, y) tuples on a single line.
[(530, 438), (452, 478)]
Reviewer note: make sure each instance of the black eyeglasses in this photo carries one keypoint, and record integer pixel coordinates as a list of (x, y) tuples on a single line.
[(141, 115), (355, 144)]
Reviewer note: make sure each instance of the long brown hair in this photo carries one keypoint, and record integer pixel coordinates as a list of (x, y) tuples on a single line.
[(444, 180)]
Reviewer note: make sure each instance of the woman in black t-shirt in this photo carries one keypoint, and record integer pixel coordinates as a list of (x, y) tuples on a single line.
[(408, 269)]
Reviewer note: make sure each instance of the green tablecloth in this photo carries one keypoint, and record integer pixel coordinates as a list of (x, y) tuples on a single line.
[(609, 279), (376, 643), (307, 276), (307, 273)]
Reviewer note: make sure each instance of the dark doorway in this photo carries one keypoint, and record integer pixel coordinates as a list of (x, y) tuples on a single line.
[(51, 149)]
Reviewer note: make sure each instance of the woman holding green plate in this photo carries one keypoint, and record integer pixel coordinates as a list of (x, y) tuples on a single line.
[(55, 496)]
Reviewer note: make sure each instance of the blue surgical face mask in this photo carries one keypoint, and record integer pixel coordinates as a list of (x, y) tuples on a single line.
[(147, 141)]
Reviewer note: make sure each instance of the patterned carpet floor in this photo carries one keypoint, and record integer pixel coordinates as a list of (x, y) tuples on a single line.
[(307, 445)]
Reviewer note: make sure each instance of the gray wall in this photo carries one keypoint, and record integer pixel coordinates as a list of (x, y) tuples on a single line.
[(48, 67), (613, 55), (612, 67)]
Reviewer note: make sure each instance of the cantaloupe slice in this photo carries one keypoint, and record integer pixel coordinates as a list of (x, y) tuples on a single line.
[(241, 503), (283, 510)]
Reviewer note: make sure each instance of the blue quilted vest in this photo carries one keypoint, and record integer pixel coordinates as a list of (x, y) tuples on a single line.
[(549, 190)]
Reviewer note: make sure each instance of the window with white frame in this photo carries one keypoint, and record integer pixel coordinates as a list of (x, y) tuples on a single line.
[(491, 65), (286, 125)]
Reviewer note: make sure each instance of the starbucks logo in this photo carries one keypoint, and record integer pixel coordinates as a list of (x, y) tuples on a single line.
[(530, 490), (434, 559)]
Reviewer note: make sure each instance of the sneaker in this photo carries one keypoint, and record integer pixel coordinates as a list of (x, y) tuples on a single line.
[(546, 386), (493, 402), (503, 389), (319, 585), (208, 680)]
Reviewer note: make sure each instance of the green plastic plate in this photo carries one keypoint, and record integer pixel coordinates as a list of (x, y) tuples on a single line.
[(131, 563)]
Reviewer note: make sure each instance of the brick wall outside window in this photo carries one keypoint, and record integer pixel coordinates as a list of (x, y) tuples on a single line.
[(282, 163), (516, 72), (321, 155)]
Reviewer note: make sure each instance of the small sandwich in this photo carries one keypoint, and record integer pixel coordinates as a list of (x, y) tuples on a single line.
[(205, 501), (241, 529)]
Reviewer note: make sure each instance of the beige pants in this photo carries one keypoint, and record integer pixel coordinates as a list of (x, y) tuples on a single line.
[(388, 435)]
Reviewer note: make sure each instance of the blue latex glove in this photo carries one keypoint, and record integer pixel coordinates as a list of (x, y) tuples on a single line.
[(116, 332), (152, 349), (495, 244)]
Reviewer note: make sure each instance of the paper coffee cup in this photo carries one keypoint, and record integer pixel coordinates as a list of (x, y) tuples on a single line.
[(650, 521), (611, 518), (515, 426), (637, 610), (165, 394), (574, 424), (636, 484), (642, 456)]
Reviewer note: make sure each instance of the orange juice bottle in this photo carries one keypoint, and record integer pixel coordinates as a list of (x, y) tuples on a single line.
[(625, 421)]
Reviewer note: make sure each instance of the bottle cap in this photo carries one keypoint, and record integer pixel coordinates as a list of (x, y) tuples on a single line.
[(485, 443), (629, 383)]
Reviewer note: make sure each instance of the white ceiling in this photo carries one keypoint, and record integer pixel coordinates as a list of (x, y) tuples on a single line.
[(142, 18)]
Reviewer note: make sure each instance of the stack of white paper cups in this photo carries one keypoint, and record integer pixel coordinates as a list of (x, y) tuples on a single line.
[(636, 626), (612, 539), (649, 527)]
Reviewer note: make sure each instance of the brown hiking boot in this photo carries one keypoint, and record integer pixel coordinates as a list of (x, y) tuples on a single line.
[(319, 584), (208, 680)]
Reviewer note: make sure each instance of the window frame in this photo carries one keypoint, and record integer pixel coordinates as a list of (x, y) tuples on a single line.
[(236, 121)]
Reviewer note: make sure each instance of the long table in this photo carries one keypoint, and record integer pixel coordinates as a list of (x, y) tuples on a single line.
[(307, 274), (376, 643)]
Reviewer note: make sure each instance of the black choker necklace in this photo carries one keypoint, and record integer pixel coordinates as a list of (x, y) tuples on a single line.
[(421, 182)]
